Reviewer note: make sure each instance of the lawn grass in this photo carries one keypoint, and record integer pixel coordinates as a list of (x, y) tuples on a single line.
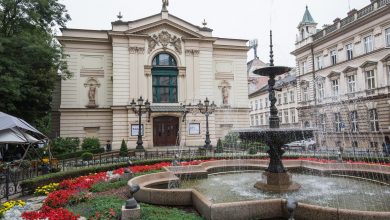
[(151, 212)]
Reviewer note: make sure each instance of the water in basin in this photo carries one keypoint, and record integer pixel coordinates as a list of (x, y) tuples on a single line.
[(327, 191)]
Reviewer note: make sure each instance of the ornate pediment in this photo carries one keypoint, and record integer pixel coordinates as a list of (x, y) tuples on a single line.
[(349, 69), (164, 39), (334, 75), (320, 79), (368, 64), (386, 58)]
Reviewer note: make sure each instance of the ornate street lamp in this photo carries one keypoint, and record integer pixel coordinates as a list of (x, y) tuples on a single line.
[(207, 110), (139, 108)]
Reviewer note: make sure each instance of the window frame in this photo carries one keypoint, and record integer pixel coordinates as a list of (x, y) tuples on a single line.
[(351, 85), (370, 79), (354, 120), (335, 87), (167, 70), (374, 120), (333, 57), (387, 37), (368, 44), (349, 51)]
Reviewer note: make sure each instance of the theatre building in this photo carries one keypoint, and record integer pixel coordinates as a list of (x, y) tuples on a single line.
[(162, 58)]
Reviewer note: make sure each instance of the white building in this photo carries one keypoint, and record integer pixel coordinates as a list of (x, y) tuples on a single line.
[(286, 103), (163, 59), (344, 77)]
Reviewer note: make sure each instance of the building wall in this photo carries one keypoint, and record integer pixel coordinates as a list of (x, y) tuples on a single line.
[(336, 37), (119, 61)]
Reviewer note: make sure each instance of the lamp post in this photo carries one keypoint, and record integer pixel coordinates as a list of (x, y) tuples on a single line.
[(139, 108), (207, 110)]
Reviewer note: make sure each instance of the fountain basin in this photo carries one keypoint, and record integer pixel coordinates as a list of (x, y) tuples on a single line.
[(259, 208)]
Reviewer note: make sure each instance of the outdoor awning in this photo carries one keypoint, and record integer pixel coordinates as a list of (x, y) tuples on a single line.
[(10, 136), (177, 108)]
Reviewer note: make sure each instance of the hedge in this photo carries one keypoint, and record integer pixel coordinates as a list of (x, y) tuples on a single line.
[(78, 153)]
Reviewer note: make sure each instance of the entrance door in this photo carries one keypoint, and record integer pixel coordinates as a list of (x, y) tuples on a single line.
[(165, 131)]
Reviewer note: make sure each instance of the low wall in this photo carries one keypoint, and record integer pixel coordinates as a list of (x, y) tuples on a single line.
[(258, 209)]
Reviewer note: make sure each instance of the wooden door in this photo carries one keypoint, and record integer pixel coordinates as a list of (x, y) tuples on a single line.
[(165, 131)]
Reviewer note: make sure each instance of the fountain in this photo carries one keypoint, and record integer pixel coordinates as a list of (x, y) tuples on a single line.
[(276, 178)]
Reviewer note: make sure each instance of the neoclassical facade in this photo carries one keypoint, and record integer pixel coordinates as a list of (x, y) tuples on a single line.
[(343, 80), (162, 58)]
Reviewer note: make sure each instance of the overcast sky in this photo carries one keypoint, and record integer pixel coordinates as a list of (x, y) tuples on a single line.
[(244, 19)]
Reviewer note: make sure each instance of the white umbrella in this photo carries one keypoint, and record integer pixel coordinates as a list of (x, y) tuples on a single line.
[(11, 136)]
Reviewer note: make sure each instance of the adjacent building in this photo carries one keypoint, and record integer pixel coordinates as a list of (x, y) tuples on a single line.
[(286, 103), (343, 77), (162, 58)]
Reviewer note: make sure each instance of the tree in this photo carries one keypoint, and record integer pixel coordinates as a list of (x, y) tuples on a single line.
[(90, 143), (30, 57), (123, 150)]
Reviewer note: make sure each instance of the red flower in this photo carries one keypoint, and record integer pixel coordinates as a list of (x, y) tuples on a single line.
[(50, 213)]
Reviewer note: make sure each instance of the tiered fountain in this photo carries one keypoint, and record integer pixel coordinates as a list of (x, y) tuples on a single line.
[(276, 178)]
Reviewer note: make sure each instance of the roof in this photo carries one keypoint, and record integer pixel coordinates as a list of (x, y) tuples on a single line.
[(307, 18), (279, 83), (165, 108), (254, 64)]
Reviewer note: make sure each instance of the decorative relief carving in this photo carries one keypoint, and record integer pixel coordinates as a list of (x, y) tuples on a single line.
[(165, 39), (182, 71), (148, 70), (137, 50), (93, 84), (192, 52)]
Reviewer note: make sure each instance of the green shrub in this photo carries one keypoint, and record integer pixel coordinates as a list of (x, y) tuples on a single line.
[(90, 143), (123, 152), (87, 156), (79, 153), (62, 145), (231, 139), (219, 148), (25, 164), (252, 150)]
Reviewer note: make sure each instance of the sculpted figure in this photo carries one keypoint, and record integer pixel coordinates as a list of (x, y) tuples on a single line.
[(92, 94), (176, 43), (225, 95), (165, 3)]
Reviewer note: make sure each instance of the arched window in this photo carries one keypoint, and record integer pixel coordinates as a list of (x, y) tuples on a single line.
[(164, 72)]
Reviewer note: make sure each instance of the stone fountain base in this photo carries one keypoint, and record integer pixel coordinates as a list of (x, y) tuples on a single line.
[(277, 182)]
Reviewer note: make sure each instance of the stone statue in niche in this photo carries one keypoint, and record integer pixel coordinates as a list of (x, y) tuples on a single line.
[(225, 95), (92, 85)]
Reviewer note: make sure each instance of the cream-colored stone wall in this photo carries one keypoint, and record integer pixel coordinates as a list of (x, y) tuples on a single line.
[(119, 61)]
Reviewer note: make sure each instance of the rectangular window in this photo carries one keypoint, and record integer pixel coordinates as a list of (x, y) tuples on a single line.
[(333, 57), (335, 88), (355, 144), (266, 102), (305, 94), (257, 120), (354, 121), (320, 91), (368, 44), (374, 145), (279, 99), (292, 98), (286, 118), (387, 36), (351, 83), (304, 67), (374, 122), (370, 80), (251, 106), (349, 50), (280, 116), (319, 62), (266, 118), (338, 122), (261, 104), (261, 119), (252, 120), (292, 112), (323, 122), (285, 98)]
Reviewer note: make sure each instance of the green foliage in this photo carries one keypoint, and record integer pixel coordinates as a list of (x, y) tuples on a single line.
[(30, 58), (252, 150), (105, 186), (151, 212), (231, 139), (78, 153), (62, 145), (90, 143), (108, 207), (219, 148), (87, 156), (123, 152), (25, 164)]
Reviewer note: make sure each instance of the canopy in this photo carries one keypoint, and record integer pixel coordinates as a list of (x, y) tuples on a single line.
[(16, 124), (11, 136)]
